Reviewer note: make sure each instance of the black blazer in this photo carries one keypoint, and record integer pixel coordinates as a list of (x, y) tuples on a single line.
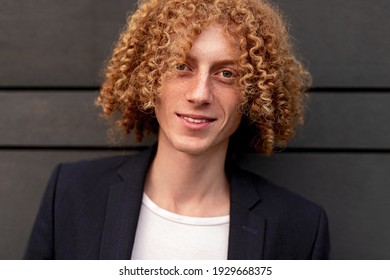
[(90, 211)]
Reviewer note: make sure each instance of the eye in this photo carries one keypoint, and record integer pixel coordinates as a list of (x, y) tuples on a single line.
[(227, 74), (181, 67)]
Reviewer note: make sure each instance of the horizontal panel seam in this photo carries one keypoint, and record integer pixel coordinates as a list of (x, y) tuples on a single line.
[(346, 90), (322, 150)]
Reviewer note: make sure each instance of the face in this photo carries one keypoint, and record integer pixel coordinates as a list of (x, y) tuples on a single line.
[(197, 109)]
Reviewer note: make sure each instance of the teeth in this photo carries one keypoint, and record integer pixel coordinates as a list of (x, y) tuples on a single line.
[(195, 120)]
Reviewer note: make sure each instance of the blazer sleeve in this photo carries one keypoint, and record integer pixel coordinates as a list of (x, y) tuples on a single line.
[(321, 246), (41, 243)]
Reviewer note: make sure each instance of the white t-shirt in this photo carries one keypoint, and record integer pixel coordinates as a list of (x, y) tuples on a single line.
[(163, 235)]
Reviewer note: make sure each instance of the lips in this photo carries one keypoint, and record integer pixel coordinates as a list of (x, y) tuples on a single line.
[(196, 119)]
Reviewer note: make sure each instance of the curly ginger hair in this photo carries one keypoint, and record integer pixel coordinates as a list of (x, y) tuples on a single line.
[(160, 34)]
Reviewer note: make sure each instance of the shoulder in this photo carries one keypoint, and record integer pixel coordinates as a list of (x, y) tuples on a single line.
[(81, 189), (88, 176), (105, 168), (92, 168), (87, 172), (275, 200), (296, 228)]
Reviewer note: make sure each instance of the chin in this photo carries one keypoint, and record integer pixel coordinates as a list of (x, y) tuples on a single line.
[(196, 146), (190, 148)]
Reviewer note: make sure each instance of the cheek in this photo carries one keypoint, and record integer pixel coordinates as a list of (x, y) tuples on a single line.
[(235, 114), (234, 106), (167, 97), (163, 109), (233, 117), (236, 120), (159, 109)]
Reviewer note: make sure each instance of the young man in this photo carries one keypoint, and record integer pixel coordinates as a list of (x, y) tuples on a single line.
[(210, 78)]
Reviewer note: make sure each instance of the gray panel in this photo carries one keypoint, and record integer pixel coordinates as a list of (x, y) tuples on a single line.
[(353, 189), (59, 118), (346, 43), (57, 43), (348, 120), (24, 176)]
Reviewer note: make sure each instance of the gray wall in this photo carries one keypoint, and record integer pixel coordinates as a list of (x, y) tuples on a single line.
[(51, 56)]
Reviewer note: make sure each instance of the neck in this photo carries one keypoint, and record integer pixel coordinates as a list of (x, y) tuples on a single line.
[(192, 185)]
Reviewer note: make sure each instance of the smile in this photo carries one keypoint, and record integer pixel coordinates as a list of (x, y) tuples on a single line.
[(196, 119)]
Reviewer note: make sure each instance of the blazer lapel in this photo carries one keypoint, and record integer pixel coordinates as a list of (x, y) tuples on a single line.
[(123, 208), (246, 233)]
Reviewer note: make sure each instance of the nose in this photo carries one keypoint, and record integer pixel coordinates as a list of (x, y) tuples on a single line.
[(200, 92)]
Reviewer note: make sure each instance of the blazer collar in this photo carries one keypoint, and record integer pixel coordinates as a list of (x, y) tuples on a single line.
[(123, 207), (246, 233)]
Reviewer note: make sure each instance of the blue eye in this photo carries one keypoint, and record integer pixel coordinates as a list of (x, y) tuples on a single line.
[(181, 67), (227, 74)]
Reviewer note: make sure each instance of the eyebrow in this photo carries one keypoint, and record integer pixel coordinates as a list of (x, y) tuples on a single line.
[(224, 62)]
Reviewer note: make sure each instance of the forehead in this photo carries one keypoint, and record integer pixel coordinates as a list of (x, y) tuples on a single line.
[(212, 38)]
